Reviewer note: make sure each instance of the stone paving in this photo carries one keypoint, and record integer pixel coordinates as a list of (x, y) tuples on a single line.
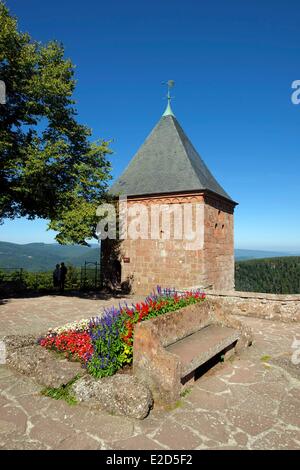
[(250, 402), (37, 314)]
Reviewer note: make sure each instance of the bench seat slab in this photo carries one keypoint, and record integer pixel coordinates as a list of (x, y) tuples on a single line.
[(198, 348)]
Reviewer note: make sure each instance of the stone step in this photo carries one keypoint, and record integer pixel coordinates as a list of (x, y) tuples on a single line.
[(198, 348)]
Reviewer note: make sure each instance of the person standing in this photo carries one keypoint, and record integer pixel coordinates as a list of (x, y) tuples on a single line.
[(63, 273), (56, 277)]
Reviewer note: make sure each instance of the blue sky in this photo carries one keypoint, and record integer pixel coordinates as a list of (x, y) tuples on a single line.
[(233, 63)]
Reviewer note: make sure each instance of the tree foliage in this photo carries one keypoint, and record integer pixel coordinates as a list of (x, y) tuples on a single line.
[(49, 168), (271, 275)]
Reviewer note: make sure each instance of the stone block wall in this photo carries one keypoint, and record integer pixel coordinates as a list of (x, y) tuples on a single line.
[(285, 308), (168, 263), (219, 244)]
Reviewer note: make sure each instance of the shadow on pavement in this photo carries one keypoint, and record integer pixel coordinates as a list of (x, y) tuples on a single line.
[(96, 295)]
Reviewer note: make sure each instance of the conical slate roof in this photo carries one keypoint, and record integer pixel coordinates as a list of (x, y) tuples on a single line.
[(167, 162)]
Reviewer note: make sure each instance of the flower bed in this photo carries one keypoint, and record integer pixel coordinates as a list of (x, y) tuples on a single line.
[(105, 344), (75, 345)]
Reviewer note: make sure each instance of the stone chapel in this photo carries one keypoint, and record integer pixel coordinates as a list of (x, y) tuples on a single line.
[(167, 169)]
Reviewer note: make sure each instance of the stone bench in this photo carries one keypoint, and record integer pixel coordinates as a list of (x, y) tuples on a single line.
[(170, 348)]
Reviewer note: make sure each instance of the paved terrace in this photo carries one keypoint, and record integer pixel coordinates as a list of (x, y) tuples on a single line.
[(252, 402)]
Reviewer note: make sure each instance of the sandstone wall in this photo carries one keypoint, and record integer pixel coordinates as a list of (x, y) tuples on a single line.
[(168, 263), (285, 308), (219, 244)]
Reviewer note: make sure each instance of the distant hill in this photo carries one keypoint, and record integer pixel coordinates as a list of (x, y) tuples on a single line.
[(256, 254), (271, 275), (43, 256)]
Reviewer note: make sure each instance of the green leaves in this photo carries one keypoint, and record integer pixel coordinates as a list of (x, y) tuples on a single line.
[(62, 393), (48, 166), (272, 275)]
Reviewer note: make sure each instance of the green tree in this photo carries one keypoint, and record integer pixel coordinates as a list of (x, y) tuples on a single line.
[(49, 168), (272, 275)]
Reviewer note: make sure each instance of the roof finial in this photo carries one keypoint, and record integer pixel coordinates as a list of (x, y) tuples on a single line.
[(168, 111)]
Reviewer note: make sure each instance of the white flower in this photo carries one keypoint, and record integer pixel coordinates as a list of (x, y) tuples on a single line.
[(79, 325)]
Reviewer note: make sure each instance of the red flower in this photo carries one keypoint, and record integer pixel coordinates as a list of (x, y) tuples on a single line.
[(130, 312), (77, 344)]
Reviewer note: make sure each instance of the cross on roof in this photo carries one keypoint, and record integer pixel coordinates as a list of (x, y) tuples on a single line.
[(168, 110)]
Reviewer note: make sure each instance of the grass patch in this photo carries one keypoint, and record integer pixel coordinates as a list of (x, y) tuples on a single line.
[(185, 392), (61, 393), (265, 358)]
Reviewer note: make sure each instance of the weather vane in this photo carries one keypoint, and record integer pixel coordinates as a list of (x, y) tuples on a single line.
[(168, 111)]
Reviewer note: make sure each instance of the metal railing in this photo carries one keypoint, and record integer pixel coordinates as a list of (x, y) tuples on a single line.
[(85, 277)]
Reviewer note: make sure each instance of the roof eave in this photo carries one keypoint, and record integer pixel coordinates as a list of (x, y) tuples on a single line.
[(176, 193)]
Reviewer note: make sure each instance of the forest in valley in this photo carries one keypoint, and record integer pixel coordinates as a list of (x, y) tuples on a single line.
[(272, 275)]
